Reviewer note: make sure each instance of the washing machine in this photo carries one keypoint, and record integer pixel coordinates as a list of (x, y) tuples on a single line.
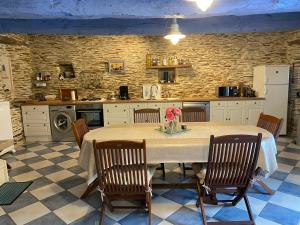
[(61, 118)]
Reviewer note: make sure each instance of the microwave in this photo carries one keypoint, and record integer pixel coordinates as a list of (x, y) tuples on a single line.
[(228, 91)]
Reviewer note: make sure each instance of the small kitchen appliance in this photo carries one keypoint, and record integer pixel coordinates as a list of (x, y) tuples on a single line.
[(228, 91), (124, 92)]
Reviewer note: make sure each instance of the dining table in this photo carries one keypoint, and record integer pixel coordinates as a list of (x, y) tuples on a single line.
[(189, 146)]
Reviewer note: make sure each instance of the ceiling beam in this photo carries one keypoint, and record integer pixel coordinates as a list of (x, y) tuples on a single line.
[(158, 26)]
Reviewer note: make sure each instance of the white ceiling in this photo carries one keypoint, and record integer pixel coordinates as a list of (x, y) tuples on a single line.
[(85, 9)]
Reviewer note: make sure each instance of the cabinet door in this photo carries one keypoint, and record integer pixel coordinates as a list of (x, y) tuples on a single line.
[(253, 115), (252, 111), (218, 114), (37, 129), (234, 115), (116, 121), (35, 117)]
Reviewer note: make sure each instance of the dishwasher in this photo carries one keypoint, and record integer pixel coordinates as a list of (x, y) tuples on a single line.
[(201, 105)]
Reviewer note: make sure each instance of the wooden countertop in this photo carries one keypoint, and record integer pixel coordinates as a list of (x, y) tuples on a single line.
[(185, 99)]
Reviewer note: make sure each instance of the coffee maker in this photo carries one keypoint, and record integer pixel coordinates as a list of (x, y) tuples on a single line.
[(124, 92)]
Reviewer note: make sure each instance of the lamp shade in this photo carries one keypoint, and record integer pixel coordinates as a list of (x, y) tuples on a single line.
[(204, 4), (174, 35)]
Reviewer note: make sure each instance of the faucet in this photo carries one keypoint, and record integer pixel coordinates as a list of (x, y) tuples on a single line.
[(151, 91)]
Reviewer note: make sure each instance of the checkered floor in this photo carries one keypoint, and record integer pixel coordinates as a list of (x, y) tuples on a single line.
[(53, 198)]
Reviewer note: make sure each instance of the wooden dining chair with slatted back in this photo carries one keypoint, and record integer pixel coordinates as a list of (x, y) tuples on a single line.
[(273, 125), (231, 164), (149, 116), (79, 128), (192, 114), (124, 174)]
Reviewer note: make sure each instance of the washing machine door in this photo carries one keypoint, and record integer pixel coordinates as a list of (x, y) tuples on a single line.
[(62, 122)]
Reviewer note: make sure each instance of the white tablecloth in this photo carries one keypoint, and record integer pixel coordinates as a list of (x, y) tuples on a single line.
[(187, 147)]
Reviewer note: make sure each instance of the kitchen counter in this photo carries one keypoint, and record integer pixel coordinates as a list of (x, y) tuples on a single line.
[(185, 99)]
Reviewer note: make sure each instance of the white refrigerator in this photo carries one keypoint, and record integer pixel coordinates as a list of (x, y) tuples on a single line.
[(272, 83)]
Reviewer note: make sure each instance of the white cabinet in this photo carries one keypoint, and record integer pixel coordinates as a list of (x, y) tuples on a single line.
[(116, 114), (36, 123), (252, 110), (122, 113), (237, 112)]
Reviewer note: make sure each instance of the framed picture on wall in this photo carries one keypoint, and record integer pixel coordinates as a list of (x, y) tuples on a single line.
[(116, 66)]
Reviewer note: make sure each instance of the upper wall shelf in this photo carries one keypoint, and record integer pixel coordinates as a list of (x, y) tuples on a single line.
[(169, 66)]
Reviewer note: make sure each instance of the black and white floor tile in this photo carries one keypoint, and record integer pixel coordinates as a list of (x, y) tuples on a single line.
[(53, 198)]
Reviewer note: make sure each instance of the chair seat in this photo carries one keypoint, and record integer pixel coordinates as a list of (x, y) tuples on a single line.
[(200, 170), (150, 170)]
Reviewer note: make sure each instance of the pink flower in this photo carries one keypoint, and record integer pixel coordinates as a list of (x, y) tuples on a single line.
[(168, 110), (177, 111), (170, 116)]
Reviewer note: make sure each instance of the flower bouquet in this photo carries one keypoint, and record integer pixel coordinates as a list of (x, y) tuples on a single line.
[(172, 116)]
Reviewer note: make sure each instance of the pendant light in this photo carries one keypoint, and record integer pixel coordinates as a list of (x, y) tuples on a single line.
[(174, 35)]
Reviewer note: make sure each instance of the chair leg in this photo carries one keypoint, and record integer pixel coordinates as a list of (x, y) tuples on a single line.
[(264, 186), (201, 204), (101, 219), (249, 210), (183, 168), (162, 165)]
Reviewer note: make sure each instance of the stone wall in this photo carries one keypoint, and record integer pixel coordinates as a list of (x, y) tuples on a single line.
[(217, 59)]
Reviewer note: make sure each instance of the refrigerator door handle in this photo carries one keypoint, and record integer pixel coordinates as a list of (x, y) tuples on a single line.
[(266, 91)]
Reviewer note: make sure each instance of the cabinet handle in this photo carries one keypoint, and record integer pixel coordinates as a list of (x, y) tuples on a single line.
[(43, 112), (247, 118), (27, 125), (33, 107), (44, 125), (254, 103), (124, 110), (237, 103), (107, 110), (116, 106)]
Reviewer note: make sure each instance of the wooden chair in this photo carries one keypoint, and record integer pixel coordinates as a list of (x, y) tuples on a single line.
[(149, 116), (124, 175), (273, 125), (79, 128), (231, 163), (146, 116), (192, 114)]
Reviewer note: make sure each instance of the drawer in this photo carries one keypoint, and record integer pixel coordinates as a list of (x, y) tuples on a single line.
[(235, 103), (172, 104), (35, 117), (116, 115), (38, 108), (218, 103), (154, 105), (37, 129), (117, 121), (138, 105), (255, 103), (118, 110)]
